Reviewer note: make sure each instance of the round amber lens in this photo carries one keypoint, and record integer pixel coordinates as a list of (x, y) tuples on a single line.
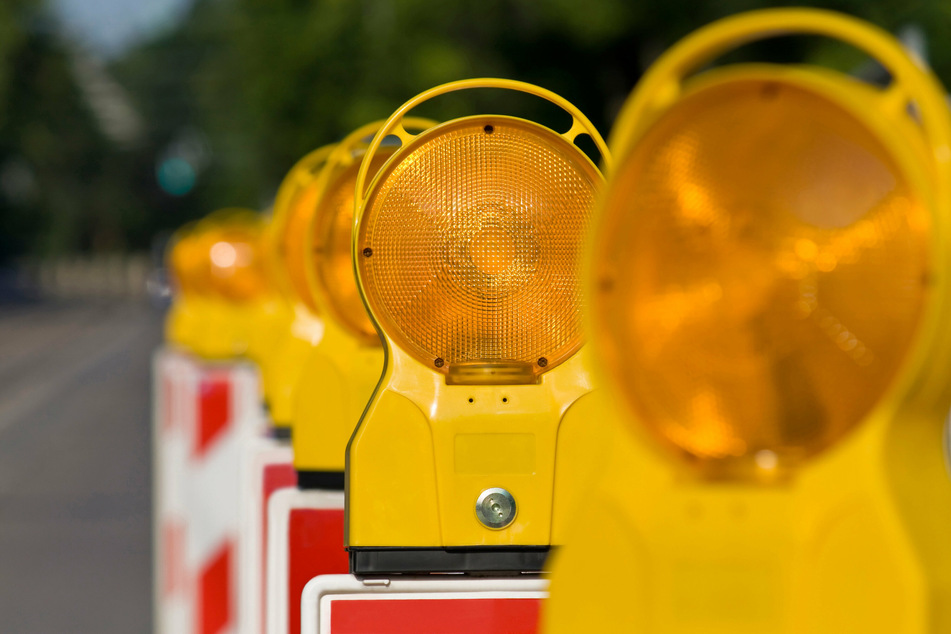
[(760, 274), (293, 243), (470, 242), (235, 253), (188, 263), (333, 260)]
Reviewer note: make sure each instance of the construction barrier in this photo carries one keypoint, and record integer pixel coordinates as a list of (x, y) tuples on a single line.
[(342, 604), (304, 540), (205, 416)]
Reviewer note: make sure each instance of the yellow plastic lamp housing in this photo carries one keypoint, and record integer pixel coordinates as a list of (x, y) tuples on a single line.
[(337, 370), (316, 370), (302, 329), (469, 245), (763, 268), (240, 315), (769, 298), (467, 248), (341, 371)]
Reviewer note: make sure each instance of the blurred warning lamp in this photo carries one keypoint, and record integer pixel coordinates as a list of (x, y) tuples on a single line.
[(762, 265), (468, 248), (234, 255), (189, 273)]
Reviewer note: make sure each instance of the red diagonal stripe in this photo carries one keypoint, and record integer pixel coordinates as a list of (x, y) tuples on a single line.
[(215, 609), (214, 409)]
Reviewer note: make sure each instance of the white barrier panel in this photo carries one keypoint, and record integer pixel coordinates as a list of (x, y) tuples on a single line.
[(305, 539), (268, 470), (342, 604), (205, 415)]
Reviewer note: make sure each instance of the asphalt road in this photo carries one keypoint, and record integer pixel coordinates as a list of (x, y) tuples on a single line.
[(75, 533)]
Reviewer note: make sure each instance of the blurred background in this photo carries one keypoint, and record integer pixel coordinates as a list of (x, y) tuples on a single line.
[(120, 120)]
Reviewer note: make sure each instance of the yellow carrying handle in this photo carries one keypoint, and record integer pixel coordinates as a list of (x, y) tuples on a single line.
[(394, 125), (912, 80), (346, 151), (340, 155)]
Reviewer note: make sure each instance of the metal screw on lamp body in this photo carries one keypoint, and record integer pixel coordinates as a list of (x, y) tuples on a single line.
[(495, 508)]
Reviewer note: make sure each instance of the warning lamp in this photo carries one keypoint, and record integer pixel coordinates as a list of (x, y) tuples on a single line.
[(190, 287), (769, 300), (340, 372), (309, 188), (227, 257), (466, 246), (294, 206), (236, 255)]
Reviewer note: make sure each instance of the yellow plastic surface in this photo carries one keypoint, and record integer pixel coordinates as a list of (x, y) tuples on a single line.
[(467, 276), (853, 539), (336, 381), (449, 443)]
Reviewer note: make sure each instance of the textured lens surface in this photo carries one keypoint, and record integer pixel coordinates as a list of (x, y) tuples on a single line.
[(764, 267), (470, 245), (333, 260)]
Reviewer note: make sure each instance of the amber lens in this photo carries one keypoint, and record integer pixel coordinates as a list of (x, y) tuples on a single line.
[(235, 253), (761, 272), (333, 259), (293, 243), (470, 242), (187, 264)]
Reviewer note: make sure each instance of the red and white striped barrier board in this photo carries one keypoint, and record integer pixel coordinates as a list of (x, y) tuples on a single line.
[(269, 469), (342, 604), (205, 415), (305, 539)]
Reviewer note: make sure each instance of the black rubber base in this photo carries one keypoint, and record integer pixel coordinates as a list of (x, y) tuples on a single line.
[(326, 480), (479, 560), (281, 433)]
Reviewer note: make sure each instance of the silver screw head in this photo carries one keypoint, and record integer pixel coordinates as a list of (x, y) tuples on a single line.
[(495, 508)]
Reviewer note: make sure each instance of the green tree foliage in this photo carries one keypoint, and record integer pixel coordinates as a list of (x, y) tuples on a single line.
[(255, 84), (268, 80), (64, 187)]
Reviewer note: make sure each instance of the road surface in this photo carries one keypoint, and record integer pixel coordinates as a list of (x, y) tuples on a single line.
[(75, 549)]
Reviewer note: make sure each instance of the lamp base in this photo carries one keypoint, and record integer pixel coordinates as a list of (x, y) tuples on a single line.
[(510, 560)]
